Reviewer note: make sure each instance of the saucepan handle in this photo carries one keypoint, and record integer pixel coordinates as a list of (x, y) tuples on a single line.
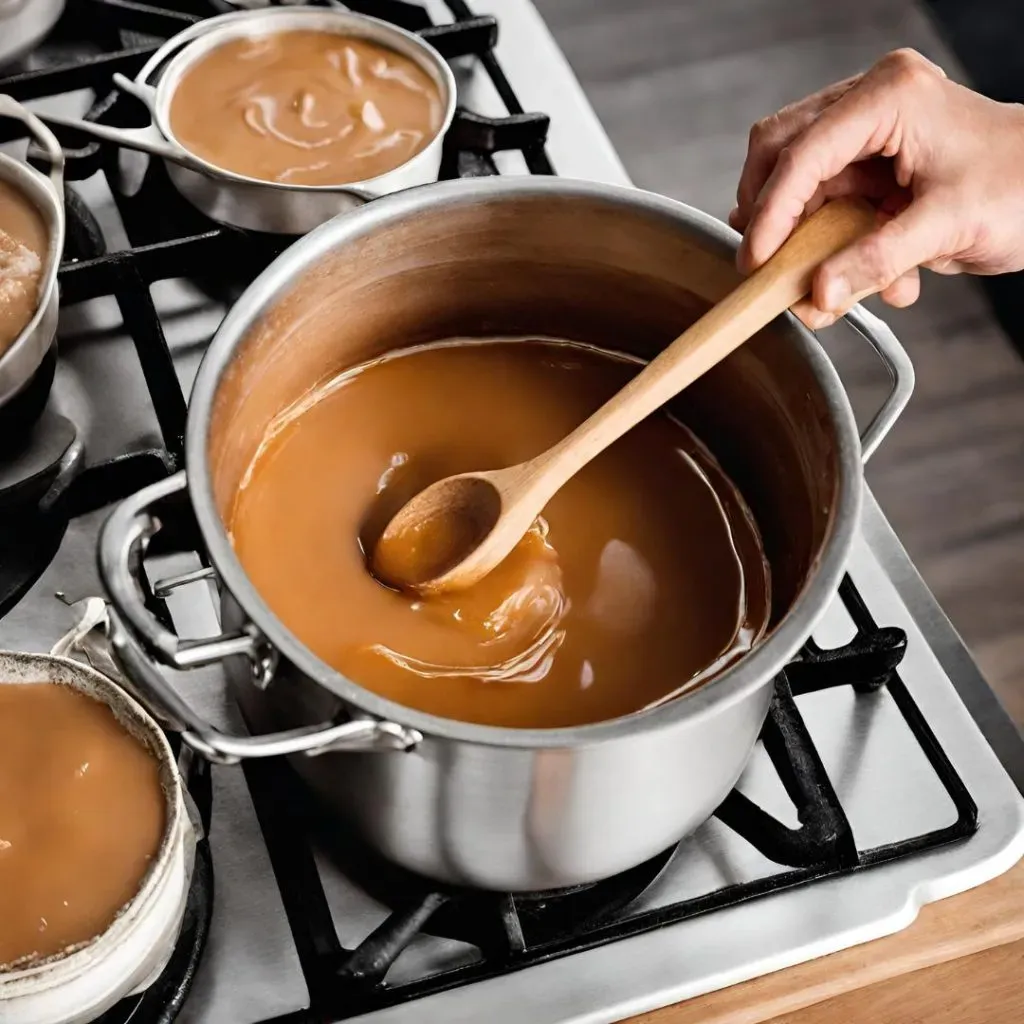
[(142, 644), (147, 140), (901, 373), (43, 138)]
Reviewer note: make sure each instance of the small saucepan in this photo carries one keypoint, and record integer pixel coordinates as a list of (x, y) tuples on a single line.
[(246, 202)]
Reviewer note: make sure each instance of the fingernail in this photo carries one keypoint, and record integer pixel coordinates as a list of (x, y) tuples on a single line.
[(837, 294), (816, 319), (742, 257)]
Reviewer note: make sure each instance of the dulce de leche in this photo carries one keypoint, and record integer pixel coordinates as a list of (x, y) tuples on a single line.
[(82, 815), (644, 577), (23, 251), (305, 108)]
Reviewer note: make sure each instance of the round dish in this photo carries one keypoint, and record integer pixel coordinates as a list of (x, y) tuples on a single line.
[(76, 987)]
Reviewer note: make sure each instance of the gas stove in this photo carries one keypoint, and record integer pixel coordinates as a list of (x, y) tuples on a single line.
[(887, 776)]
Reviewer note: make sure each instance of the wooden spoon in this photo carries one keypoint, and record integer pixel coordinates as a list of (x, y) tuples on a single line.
[(454, 532)]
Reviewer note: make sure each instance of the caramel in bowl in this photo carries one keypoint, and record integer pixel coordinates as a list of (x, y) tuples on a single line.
[(87, 801)]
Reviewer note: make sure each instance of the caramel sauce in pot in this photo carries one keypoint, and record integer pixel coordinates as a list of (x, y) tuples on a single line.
[(23, 252), (306, 108), (644, 578), (82, 816)]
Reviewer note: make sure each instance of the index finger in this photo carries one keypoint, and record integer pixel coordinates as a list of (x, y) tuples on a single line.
[(857, 125), (772, 134)]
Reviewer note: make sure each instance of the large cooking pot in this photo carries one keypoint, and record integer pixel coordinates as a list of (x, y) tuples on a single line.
[(471, 804)]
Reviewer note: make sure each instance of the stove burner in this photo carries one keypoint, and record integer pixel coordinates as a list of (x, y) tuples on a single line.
[(498, 924), (20, 412), (27, 471), (512, 931), (33, 481), (27, 546), (83, 238)]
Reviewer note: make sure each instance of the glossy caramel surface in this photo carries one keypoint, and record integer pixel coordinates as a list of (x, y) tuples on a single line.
[(82, 815), (644, 577), (305, 108)]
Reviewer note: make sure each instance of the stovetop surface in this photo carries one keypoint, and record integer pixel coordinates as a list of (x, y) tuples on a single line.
[(880, 772), (889, 788)]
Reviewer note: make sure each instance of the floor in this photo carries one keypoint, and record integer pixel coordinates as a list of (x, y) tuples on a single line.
[(677, 84)]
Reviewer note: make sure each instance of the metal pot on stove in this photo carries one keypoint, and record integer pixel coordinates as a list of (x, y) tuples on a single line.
[(27, 363), (248, 202), (502, 808)]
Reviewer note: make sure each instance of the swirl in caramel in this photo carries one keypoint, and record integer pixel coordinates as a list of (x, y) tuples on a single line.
[(644, 578), (305, 108)]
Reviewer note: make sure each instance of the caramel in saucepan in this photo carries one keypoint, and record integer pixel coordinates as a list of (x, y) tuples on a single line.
[(644, 577), (82, 815), (305, 108), (23, 251)]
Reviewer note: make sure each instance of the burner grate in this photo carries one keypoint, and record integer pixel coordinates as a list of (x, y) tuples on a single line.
[(169, 238), (513, 932)]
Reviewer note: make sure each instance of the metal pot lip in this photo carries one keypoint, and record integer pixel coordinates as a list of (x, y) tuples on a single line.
[(26, 22), (739, 682), (60, 671), (225, 27), (39, 190)]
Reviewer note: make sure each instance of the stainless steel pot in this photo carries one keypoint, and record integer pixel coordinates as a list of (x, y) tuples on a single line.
[(24, 24), (491, 807), (24, 356), (237, 199)]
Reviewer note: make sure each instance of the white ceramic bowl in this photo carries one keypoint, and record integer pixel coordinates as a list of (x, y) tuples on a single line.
[(77, 986)]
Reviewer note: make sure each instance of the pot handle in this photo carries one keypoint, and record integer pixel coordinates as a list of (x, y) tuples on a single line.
[(137, 639), (901, 371), (43, 138), (147, 140)]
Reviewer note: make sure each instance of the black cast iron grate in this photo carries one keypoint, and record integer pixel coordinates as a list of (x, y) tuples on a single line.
[(170, 239), (513, 932)]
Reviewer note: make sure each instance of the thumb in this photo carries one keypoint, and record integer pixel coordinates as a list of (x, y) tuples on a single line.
[(874, 262)]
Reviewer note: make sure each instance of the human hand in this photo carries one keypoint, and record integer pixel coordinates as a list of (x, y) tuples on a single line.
[(944, 167)]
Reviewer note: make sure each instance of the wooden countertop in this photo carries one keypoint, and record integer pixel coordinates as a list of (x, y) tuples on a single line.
[(960, 962)]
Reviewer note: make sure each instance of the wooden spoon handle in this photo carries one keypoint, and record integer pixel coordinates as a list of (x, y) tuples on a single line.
[(769, 291)]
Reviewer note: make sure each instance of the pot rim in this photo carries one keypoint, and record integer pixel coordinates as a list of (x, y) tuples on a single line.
[(735, 684), (215, 32), (68, 964)]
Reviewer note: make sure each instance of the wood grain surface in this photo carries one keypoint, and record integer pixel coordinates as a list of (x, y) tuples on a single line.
[(982, 989), (862, 985), (677, 84)]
